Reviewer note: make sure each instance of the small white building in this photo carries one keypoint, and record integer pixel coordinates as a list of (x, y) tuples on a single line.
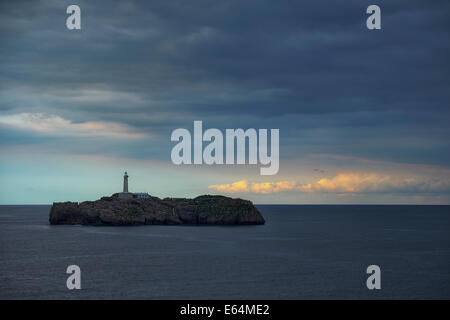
[(141, 195)]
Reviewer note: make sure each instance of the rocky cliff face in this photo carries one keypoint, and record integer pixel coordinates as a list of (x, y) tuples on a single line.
[(113, 211)]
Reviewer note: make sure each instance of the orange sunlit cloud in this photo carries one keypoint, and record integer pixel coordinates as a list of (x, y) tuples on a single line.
[(352, 182), (342, 183), (254, 187)]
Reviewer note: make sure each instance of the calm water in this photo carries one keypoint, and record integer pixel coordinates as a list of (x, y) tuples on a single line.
[(302, 252)]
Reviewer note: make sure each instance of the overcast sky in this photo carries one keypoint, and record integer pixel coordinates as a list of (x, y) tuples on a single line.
[(363, 114)]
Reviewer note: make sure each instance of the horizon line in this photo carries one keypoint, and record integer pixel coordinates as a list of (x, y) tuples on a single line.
[(273, 204)]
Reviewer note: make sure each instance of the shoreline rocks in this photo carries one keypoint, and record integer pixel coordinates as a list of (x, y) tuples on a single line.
[(113, 211)]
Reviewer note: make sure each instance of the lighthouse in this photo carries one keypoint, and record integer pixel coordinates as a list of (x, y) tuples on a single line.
[(125, 194), (125, 182)]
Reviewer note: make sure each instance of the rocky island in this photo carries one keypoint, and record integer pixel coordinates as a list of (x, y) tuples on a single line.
[(119, 211)]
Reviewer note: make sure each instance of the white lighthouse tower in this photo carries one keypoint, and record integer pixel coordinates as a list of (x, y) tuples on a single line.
[(125, 194), (129, 195), (125, 182)]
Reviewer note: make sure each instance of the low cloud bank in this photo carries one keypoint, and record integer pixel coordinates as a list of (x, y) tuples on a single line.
[(56, 126), (245, 186), (342, 183)]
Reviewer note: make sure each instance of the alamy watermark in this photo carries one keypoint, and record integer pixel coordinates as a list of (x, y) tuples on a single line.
[(73, 22), (374, 280), (238, 143), (74, 280)]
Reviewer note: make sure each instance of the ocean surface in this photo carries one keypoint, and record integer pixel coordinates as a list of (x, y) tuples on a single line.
[(302, 252)]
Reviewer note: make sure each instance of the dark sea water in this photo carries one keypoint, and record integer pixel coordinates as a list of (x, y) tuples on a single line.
[(302, 252)]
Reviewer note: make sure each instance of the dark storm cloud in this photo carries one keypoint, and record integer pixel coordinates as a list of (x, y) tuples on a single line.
[(309, 67)]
